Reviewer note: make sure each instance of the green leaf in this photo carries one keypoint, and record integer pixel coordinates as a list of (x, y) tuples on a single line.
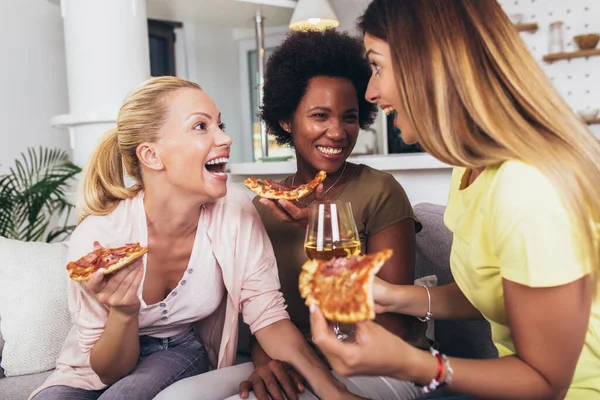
[(33, 192)]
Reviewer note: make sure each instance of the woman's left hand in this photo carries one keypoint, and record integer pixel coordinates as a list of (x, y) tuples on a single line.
[(374, 352)]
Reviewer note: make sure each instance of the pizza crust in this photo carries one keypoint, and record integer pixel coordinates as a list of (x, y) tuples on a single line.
[(268, 189), (123, 262), (345, 296)]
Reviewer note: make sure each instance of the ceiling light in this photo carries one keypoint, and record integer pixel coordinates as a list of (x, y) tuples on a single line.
[(313, 15)]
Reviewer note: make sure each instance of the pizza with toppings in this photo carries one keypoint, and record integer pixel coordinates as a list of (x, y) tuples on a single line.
[(109, 259), (269, 189), (343, 287)]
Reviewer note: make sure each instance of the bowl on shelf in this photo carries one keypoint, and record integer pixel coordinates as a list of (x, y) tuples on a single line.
[(588, 114), (587, 41)]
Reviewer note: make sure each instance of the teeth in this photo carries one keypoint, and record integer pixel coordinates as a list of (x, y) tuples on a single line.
[(222, 160), (329, 150), (388, 110)]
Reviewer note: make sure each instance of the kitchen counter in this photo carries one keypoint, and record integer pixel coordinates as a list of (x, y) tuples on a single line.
[(392, 162), (424, 178)]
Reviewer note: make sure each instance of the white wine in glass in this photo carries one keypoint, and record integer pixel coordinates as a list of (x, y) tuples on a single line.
[(331, 233)]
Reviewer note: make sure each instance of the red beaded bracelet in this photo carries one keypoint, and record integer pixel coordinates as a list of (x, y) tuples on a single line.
[(435, 382)]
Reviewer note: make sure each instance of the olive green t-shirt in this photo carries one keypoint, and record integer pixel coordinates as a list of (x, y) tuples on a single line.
[(378, 201)]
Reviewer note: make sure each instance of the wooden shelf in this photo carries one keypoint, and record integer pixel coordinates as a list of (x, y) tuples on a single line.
[(574, 54), (592, 121), (527, 27)]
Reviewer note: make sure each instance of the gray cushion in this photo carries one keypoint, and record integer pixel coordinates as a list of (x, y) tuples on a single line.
[(20, 387), (470, 339)]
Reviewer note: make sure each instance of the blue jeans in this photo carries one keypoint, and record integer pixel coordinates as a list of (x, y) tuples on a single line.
[(162, 362)]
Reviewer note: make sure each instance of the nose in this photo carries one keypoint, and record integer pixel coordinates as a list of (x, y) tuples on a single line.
[(336, 131), (372, 93), (223, 139)]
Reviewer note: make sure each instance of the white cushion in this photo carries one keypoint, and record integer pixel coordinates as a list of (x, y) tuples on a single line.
[(33, 305)]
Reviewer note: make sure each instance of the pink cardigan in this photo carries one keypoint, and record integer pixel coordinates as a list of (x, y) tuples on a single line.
[(242, 251)]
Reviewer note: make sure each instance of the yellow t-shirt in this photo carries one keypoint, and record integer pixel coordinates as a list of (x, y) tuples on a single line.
[(511, 223)]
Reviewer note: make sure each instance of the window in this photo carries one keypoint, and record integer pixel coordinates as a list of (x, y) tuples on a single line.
[(161, 39), (274, 149), (395, 143), (251, 143)]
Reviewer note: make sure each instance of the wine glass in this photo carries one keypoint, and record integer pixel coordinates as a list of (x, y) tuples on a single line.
[(331, 232)]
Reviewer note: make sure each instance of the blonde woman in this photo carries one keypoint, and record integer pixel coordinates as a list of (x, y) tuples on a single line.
[(523, 206), (174, 314)]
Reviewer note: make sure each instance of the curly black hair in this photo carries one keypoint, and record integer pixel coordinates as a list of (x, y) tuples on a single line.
[(306, 55)]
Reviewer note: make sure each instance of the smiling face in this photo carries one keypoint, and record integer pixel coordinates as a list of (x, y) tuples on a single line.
[(325, 125), (383, 88), (192, 149)]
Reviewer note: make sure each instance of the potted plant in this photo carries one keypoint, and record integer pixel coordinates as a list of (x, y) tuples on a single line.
[(33, 196)]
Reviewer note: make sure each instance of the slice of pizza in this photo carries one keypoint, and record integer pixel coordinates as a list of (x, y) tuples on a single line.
[(343, 287), (269, 189), (110, 259)]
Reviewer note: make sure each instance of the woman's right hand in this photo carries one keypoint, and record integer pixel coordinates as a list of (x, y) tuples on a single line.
[(287, 211), (269, 379), (119, 289)]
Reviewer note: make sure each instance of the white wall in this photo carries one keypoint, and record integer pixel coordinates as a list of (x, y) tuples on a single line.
[(32, 77), (577, 79), (216, 69)]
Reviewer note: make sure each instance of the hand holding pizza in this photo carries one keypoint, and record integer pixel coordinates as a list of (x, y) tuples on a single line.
[(288, 211), (119, 289), (375, 351), (112, 274), (278, 198)]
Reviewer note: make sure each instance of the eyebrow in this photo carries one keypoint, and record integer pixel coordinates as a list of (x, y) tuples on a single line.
[(371, 51), (318, 108), (204, 114)]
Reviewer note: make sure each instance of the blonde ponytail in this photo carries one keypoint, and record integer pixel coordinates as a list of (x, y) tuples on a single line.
[(141, 117), (103, 183)]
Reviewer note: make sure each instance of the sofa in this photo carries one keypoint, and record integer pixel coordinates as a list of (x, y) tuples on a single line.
[(34, 317)]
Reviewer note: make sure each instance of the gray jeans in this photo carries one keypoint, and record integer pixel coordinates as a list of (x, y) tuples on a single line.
[(162, 362)]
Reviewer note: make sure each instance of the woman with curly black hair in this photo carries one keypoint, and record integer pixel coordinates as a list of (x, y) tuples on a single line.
[(314, 100)]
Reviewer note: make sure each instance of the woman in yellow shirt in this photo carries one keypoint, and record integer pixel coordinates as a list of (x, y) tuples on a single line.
[(523, 207)]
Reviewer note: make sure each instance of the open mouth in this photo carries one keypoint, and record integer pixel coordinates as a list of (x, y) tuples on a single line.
[(217, 166), (330, 151), (388, 110)]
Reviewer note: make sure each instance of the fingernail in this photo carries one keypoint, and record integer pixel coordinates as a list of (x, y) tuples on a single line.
[(312, 307), (98, 275)]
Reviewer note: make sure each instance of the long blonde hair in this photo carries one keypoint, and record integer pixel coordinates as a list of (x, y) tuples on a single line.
[(140, 118), (477, 98)]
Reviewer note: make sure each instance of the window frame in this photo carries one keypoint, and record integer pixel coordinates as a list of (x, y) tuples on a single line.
[(245, 46)]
